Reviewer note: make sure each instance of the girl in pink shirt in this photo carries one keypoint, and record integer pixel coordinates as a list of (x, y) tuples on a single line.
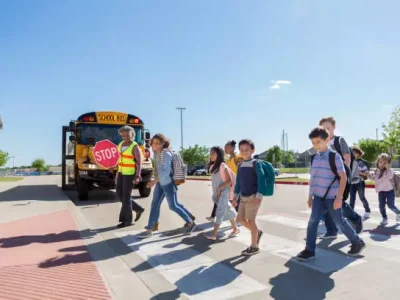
[(384, 186)]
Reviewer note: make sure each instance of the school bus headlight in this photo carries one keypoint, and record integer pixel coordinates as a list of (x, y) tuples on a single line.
[(90, 166)]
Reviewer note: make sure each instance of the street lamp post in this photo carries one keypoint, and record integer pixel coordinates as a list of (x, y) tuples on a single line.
[(181, 109), (13, 157)]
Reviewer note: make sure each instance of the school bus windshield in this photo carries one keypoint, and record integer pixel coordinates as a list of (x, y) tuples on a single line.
[(89, 134)]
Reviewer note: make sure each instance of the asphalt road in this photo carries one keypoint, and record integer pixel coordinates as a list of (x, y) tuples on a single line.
[(174, 266)]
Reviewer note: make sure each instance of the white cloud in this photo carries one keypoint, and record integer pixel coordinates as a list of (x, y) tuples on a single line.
[(283, 82), (276, 84)]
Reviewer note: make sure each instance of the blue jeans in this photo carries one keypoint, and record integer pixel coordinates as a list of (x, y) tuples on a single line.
[(360, 188), (347, 212), (168, 191), (319, 207), (387, 197)]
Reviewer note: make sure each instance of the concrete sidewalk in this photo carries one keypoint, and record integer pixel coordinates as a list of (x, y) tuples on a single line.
[(48, 251)]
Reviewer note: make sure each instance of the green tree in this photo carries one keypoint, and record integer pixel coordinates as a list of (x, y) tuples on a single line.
[(4, 157), (40, 165), (196, 155), (275, 155), (372, 148), (391, 132), (288, 156)]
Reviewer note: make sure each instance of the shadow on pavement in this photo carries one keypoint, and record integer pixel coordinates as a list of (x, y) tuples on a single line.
[(197, 281), (70, 235), (301, 283), (49, 192)]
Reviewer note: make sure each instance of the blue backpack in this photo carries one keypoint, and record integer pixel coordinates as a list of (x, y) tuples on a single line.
[(269, 176)]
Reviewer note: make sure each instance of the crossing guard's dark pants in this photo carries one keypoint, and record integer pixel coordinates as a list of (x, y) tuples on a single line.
[(124, 191)]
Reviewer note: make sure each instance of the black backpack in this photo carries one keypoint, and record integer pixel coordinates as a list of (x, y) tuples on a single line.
[(332, 164), (336, 143)]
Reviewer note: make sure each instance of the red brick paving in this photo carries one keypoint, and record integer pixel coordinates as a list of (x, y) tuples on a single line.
[(44, 257)]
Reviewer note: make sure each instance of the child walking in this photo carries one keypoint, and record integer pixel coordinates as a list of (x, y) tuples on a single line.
[(384, 186), (250, 186), (232, 163), (326, 192), (222, 183), (165, 188)]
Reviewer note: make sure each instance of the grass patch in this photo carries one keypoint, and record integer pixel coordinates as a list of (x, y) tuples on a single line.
[(295, 170), (292, 179), (10, 179)]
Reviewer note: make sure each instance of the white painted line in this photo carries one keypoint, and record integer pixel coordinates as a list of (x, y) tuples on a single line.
[(390, 242), (196, 275), (299, 223), (326, 261), (360, 209), (375, 221)]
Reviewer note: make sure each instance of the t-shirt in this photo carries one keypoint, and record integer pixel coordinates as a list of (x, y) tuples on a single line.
[(249, 181), (231, 163), (322, 175), (362, 167), (344, 147)]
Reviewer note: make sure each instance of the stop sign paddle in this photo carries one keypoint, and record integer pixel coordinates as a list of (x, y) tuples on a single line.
[(106, 154)]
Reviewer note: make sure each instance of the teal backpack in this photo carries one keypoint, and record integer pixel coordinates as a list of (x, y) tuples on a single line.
[(269, 175)]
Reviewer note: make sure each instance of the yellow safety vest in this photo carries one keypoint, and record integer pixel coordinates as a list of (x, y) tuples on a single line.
[(127, 163), (232, 165)]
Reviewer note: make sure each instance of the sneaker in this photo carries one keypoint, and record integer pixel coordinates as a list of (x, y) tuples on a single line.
[(305, 255), (384, 222), (155, 227), (366, 216), (251, 251), (210, 219), (356, 249), (123, 225), (398, 218), (145, 235), (192, 217), (138, 215), (189, 227), (327, 236), (260, 234), (245, 250), (359, 226)]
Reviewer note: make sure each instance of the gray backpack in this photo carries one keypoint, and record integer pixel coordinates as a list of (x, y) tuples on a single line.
[(179, 169), (396, 185)]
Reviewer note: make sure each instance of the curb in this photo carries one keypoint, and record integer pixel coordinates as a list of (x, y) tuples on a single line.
[(370, 186)]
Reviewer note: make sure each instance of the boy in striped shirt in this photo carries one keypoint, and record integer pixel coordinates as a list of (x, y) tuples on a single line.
[(325, 195)]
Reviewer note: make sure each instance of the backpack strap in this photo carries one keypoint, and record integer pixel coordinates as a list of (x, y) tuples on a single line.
[(332, 164), (255, 166), (312, 159), (336, 143)]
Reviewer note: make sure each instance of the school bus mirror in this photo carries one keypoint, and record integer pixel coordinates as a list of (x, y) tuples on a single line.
[(72, 126), (72, 138), (147, 136)]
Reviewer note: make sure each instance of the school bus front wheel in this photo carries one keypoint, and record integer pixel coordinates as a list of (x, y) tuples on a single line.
[(83, 188)]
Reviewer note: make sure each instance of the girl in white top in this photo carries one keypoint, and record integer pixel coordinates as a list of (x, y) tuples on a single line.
[(222, 184)]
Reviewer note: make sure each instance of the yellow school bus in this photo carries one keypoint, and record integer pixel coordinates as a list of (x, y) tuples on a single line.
[(79, 169)]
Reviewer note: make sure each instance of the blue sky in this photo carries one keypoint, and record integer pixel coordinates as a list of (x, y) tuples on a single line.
[(59, 59)]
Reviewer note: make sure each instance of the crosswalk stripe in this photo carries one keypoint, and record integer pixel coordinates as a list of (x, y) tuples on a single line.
[(326, 261), (390, 242), (375, 221), (196, 275)]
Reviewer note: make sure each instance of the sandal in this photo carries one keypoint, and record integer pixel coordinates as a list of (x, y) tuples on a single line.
[(234, 233), (210, 236)]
